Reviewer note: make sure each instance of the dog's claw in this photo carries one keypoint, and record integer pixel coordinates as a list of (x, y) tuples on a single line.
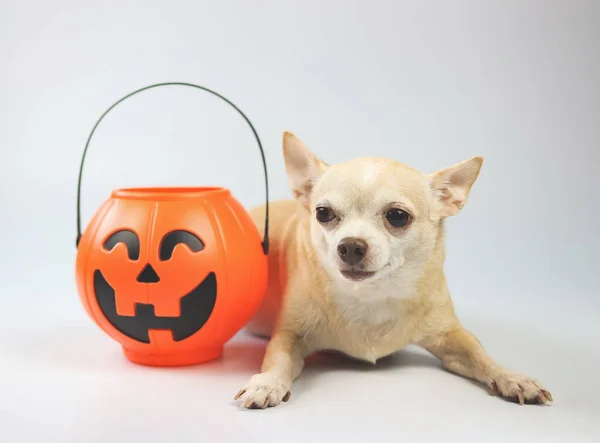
[(287, 396), (521, 398), (547, 395), (239, 394)]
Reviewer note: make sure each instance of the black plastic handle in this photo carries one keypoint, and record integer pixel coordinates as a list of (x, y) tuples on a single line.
[(265, 243)]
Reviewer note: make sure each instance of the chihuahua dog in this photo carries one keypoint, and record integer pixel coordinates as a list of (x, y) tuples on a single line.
[(356, 266)]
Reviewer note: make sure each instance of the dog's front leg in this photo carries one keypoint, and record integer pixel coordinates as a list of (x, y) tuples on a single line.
[(283, 362), (461, 353)]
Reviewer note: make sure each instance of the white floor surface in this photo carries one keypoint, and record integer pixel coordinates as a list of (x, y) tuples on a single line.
[(63, 380)]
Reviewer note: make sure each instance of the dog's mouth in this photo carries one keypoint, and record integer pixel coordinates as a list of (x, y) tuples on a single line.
[(357, 275)]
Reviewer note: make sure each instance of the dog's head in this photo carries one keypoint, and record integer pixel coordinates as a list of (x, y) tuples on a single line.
[(373, 216)]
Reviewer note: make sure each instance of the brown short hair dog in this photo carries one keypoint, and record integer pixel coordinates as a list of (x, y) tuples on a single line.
[(356, 265)]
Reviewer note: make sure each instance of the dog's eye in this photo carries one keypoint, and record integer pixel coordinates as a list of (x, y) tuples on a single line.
[(397, 217), (325, 214)]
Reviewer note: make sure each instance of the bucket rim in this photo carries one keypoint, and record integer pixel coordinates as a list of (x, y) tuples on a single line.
[(159, 193)]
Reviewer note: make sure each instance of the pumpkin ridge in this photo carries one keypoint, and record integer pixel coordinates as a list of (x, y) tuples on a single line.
[(87, 281), (223, 269)]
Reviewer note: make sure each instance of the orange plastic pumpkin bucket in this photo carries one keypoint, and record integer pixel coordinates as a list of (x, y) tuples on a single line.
[(171, 273)]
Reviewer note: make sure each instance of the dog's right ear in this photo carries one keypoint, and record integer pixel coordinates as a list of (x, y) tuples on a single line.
[(451, 186), (302, 166)]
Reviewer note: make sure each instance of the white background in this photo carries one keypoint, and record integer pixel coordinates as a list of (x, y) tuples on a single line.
[(427, 83)]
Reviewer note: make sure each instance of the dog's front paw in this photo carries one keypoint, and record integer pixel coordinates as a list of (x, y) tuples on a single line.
[(519, 388), (263, 391)]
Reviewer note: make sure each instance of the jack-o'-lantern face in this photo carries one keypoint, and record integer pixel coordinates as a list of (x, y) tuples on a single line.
[(195, 306)]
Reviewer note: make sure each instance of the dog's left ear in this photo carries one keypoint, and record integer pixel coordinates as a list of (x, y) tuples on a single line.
[(451, 186), (302, 166)]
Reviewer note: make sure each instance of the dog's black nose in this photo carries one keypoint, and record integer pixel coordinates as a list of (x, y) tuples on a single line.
[(148, 275), (352, 250)]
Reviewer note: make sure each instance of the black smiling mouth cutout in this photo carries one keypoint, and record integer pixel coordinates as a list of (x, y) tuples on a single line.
[(196, 308)]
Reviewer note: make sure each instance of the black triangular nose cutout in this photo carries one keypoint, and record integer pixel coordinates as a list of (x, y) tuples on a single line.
[(148, 275)]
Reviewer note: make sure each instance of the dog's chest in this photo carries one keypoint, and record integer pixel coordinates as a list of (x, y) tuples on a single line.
[(366, 332)]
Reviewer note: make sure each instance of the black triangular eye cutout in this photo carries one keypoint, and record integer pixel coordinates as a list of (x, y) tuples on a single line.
[(173, 238)]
